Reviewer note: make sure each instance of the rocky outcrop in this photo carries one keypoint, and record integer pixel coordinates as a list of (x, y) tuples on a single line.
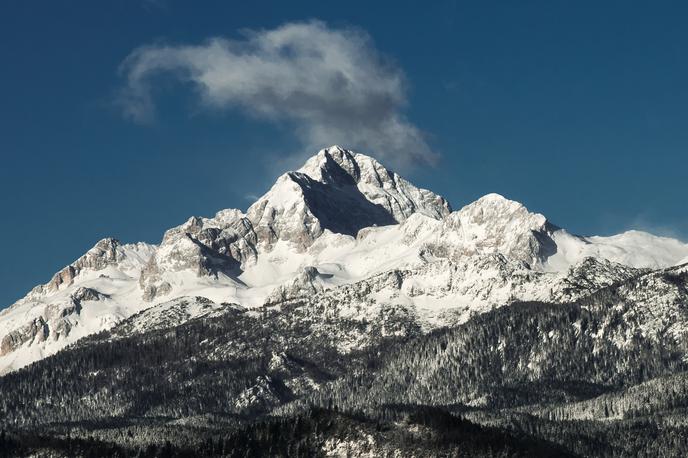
[(34, 331), (55, 321), (104, 253), (305, 284), (86, 294)]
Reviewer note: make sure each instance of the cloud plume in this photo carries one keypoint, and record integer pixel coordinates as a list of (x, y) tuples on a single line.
[(331, 84)]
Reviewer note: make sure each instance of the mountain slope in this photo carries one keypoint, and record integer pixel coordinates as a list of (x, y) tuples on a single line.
[(160, 375), (621, 334), (96, 291)]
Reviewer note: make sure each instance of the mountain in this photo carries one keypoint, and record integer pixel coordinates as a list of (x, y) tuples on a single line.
[(342, 219), (348, 311), (93, 293)]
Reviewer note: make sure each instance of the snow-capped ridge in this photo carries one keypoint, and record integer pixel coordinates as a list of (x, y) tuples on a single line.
[(342, 229), (633, 248), (172, 313), (495, 224), (106, 252)]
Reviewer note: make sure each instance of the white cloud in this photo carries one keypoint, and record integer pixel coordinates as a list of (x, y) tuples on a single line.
[(331, 84)]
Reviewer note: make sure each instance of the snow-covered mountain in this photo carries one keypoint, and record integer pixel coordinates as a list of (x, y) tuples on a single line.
[(93, 293), (342, 229)]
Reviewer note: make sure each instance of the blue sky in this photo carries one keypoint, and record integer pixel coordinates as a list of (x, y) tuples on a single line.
[(576, 109)]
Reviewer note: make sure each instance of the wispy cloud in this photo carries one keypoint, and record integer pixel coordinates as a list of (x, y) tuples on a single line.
[(643, 222), (155, 5), (332, 84)]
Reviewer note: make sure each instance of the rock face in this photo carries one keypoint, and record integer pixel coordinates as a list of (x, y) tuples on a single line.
[(103, 254), (54, 321), (341, 230), (35, 330), (305, 284)]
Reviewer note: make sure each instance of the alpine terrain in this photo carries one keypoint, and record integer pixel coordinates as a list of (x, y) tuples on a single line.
[(348, 312)]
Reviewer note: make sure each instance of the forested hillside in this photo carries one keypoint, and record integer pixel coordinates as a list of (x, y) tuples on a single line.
[(603, 376)]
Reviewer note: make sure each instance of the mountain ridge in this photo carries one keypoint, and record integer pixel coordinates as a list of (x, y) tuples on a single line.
[(340, 219)]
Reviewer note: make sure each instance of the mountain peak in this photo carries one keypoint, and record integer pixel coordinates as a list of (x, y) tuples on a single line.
[(499, 202), (495, 224), (336, 165), (337, 191), (341, 191), (493, 208), (106, 245), (495, 197)]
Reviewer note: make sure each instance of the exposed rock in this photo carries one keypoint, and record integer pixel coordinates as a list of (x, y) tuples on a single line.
[(153, 291), (35, 330), (305, 284), (104, 253), (87, 294)]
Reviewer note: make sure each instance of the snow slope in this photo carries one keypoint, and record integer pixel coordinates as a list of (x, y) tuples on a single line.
[(633, 248)]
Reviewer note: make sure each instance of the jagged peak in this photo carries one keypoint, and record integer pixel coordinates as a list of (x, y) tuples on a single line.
[(107, 243), (112, 249), (106, 248), (337, 165), (337, 185), (319, 166), (190, 225)]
